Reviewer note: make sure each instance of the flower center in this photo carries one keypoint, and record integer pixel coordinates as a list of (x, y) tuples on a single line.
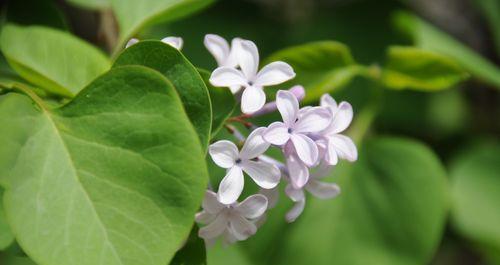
[(289, 130), (238, 161), (250, 83)]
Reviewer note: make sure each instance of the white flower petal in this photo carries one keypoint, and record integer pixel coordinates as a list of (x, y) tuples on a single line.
[(323, 170), (342, 118), (231, 186), (248, 58), (241, 227), (235, 89), (272, 196), (252, 99), (323, 190), (223, 153), (214, 229), (253, 207), (218, 47), (204, 217), (315, 119), (327, 101), (232, 60), (255, 145), (210, 203), (298, 171), (294, 194), (295, 212), (227, 77), (131, 42), (331, 157), (306, 149), (344, 146), (266, 175), (175, 42), (276, 133), (229, 237), (288, 106), (274, 73)]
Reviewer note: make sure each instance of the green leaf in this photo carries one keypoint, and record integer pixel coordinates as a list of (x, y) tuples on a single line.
[(193, 253), (391, 211), (133, 15), (52, 59), (6, 236), (91, 4), (223, 103), (417, 69), (13, 260), (491, 11), (430, 38), (183, 75), (321, 67), (476, 193), (113, 177)]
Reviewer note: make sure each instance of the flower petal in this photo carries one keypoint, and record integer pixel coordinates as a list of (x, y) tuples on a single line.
[(253, 207), (175, 42), (235, 89), (223, 153), (298, 171), (344, 146), (272, 196), (276, 133), (247, 55), (232, 60), (131, 42), (266, 175), (315, 119), (214, 229), (204, 217), (229, 238), (252, 99), (331, 157), (295, 212), (342, 118), (294, 194), (288, 106), (274, 73), (210, 203), (306, 149), (255, 145), (327, 101), (241, 227), (227, 77), (218, 47), (323, 190), (231, 186)]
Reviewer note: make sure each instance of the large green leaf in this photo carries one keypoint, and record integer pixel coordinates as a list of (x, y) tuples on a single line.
[(52, 59), (113, 177), (183, 75), (428, 37), (321, 67), (417, 69), (476, 194), (6, 237), (223, 103), (133, 15), (391, 211)]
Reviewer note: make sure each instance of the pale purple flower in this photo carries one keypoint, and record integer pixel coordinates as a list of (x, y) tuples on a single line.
[(333, 145), (226, 155), (293, 132), (252, 80), (224, 54), (234, 222), (175, 42), (319, 189)]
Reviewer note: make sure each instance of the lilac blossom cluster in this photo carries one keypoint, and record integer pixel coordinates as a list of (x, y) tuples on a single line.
[(310, 139)]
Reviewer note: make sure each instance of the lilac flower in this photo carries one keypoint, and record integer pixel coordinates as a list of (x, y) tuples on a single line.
[(224, 54), (320, 189), (234, 222), (226, 155), (331, 143), (252, 80)]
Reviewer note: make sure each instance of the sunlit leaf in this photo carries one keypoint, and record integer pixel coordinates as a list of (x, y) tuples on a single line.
[(113, 177), (417, 69), (52, 59), (6, 236)]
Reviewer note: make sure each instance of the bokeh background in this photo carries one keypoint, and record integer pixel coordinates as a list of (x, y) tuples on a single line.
[(385, 221)]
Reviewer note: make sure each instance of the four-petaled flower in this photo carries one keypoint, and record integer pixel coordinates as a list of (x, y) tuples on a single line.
[(235, 222), (331, 143), (252, 80), (224, 54), (293, 134), (226, 155)]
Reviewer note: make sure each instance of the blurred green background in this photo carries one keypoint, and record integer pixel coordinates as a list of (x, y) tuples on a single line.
[(434, 199)]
